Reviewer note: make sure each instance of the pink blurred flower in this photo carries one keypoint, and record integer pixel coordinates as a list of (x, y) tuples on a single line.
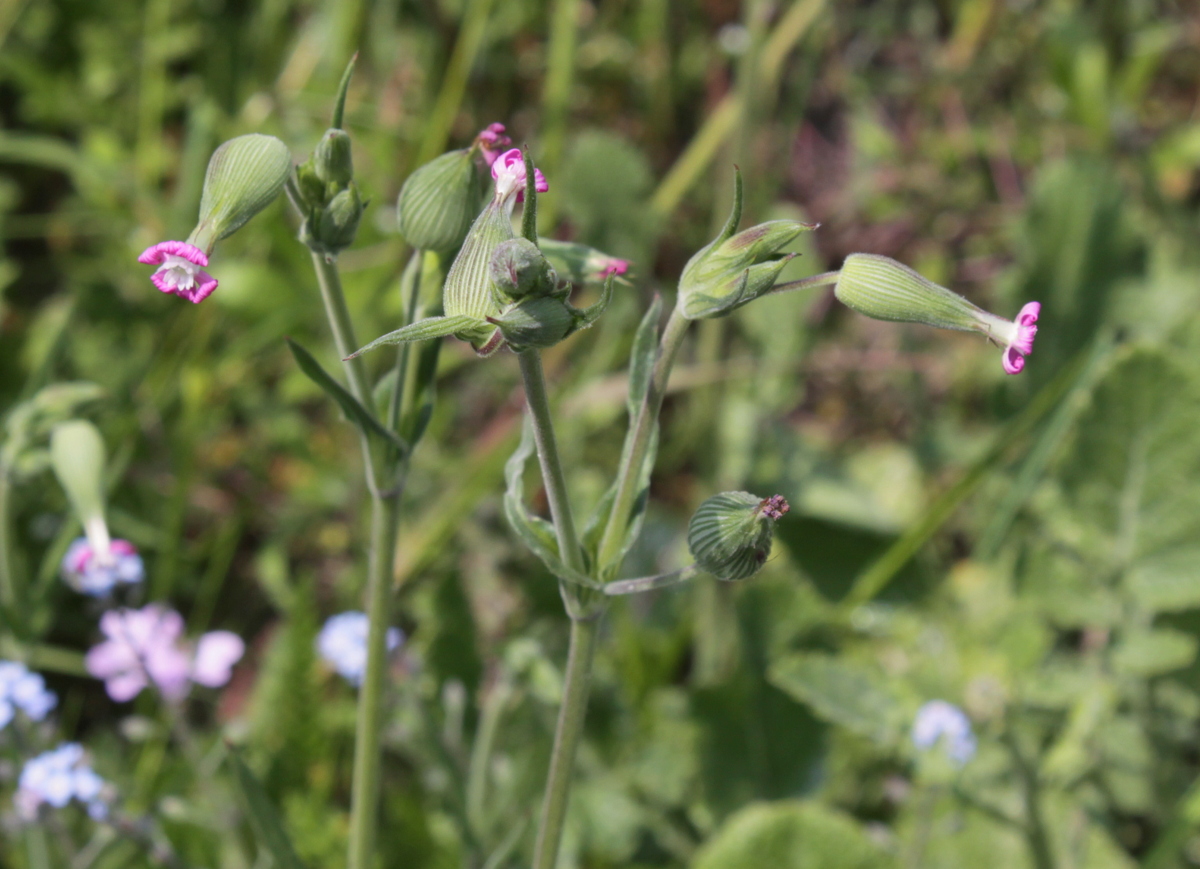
[(146, 646), (509, 172), (1019, 340), (97, 572), (180, 269), (492, 142)]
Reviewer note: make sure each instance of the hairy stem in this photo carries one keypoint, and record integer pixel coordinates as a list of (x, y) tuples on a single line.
[(343, 327), (612, 543), (547, 449), (584, 621), (364, 800), (566, 739), (385, 517)]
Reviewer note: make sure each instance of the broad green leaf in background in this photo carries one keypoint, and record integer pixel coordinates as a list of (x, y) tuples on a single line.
[(1133, 477), (790, 835), (841, 692)]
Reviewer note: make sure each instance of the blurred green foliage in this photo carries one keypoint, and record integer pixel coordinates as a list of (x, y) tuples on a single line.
[(1013, 150)]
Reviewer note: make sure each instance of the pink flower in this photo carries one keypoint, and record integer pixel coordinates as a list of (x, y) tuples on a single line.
[(509, 172), (145, 647), (492, 141), (179, 269), (95, 571), (1019, 343)]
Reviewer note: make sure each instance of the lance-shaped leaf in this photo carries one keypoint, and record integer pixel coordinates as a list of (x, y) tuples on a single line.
[(263, 816), (350, 405), (423, 330), (534, 531), (641, 364)]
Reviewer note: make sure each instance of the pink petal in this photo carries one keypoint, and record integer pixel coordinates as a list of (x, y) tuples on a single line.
[(157, 253), (126, 686), (1029, 314), (1013, 361), (216, 653), (110, 659), (200, 292), (169, 667)]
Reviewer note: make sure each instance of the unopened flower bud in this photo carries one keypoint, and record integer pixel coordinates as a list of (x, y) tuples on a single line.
[(733, 270), (519, 269), (331, 159), (730, 534), (535, 321), (338, 223), (581, 264), (438, 201), (244, 176), (884, 289)]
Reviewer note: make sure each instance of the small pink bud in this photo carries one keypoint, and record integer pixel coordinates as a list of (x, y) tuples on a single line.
[(492, 142)]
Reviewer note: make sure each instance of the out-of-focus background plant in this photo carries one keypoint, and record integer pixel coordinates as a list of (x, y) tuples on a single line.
[(1023, 548)]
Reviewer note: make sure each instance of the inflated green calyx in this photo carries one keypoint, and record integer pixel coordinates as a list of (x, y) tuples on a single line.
[(439, 201), (730, 534)]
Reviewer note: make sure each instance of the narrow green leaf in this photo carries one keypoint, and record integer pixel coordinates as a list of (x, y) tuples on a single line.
[(422, 330), (350, 405), (641, 358), (263, 816), (592, 313), (641, 364), (534, 531), (529, 215), (339, 105)]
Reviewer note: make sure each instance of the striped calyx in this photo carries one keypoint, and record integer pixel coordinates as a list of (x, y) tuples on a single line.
[(730, 534), (77, 456), (469, 290), (884, 289), (887, 290), (244, 176), (438, 201)]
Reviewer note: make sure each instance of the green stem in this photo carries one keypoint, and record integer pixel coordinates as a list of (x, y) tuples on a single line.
[(825, 279), (629, 473), (385, 517), (364, 800), (566, 740), (1035, 823), (547, 449), (343, 327), (8, 574), (584, 620)]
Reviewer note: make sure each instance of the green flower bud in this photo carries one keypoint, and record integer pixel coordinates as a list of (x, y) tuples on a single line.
[(438, 201), (535, 321), (730, 534), (518, 269), (338, 222), (734, 270), (77, 456), (244, 176), (331, 160)]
